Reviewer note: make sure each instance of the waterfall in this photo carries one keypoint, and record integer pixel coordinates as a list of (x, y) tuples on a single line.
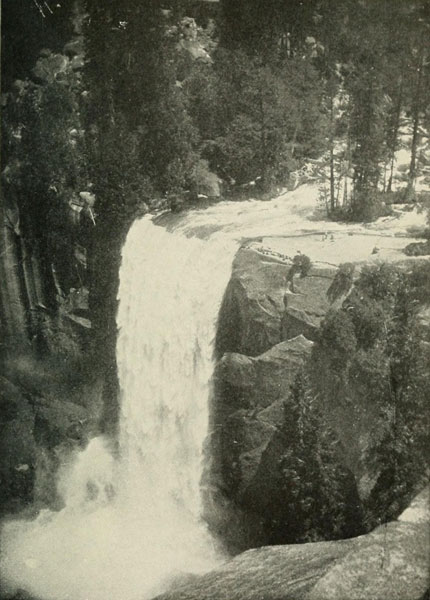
[(133, 522), (170, 292)]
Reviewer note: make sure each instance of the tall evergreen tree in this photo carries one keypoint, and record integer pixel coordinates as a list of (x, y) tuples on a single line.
[(143, 137), (313, 488), (264, 27)]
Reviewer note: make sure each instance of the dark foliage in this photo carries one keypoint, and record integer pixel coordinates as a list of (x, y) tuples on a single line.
[(376, 349), (260, 103), (316, 497)]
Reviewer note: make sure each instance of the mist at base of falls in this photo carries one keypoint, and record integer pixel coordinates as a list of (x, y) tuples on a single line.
[(133, 523), (101, 548)]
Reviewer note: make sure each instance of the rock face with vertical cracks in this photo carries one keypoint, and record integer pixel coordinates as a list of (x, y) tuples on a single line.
[(59, 272), (57, 353)]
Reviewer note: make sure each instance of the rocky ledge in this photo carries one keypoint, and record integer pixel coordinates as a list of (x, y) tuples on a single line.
[(390, 563)]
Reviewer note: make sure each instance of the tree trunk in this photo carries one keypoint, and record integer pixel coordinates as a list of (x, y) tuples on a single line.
[(332, 191), (390, 180), (416, 121), (294, 140), (413, 164), (348, 167), (263, 139), (395, 133)]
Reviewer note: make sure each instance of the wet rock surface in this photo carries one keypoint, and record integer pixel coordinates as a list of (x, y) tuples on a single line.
[(36, 432)]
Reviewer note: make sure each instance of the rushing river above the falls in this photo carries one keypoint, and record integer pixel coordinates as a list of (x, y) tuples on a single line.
[(132, 522)]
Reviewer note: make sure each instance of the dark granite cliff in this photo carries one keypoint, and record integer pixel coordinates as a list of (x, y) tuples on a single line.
[(266, 335), (59, 268)]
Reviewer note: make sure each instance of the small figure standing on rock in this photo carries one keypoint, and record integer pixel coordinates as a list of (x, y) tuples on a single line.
[(301, 264)]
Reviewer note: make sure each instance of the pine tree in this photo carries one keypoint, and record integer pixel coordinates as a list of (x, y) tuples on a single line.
[(374, 351), (313, 488), (421, 87), (140, 133), (262, 27)]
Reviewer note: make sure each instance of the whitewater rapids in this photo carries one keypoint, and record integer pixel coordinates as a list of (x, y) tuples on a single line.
[(132, 522)]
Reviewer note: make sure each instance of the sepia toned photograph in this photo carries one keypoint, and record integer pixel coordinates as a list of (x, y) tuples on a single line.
[(215, 300)]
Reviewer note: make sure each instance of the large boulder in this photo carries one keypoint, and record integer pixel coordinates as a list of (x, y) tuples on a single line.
[(263, 379), (260, 310), (257, 387), (49, 66), (250, 317), (391, 563), (307, 305)]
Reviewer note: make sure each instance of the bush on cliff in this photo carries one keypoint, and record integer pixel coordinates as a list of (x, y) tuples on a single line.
[(373, 349), (315, 498), (367, 206)]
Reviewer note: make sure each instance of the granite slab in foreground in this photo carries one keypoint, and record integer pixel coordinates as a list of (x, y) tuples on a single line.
[(390, 563)]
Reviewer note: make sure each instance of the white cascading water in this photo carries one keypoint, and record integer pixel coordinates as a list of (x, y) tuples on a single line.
[(133, 522), (130, 525), (171, 289)]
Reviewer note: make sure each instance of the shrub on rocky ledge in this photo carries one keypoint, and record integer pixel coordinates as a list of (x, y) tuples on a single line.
[(315, 492)]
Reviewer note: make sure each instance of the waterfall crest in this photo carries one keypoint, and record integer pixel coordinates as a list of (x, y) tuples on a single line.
[(132, 523)]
